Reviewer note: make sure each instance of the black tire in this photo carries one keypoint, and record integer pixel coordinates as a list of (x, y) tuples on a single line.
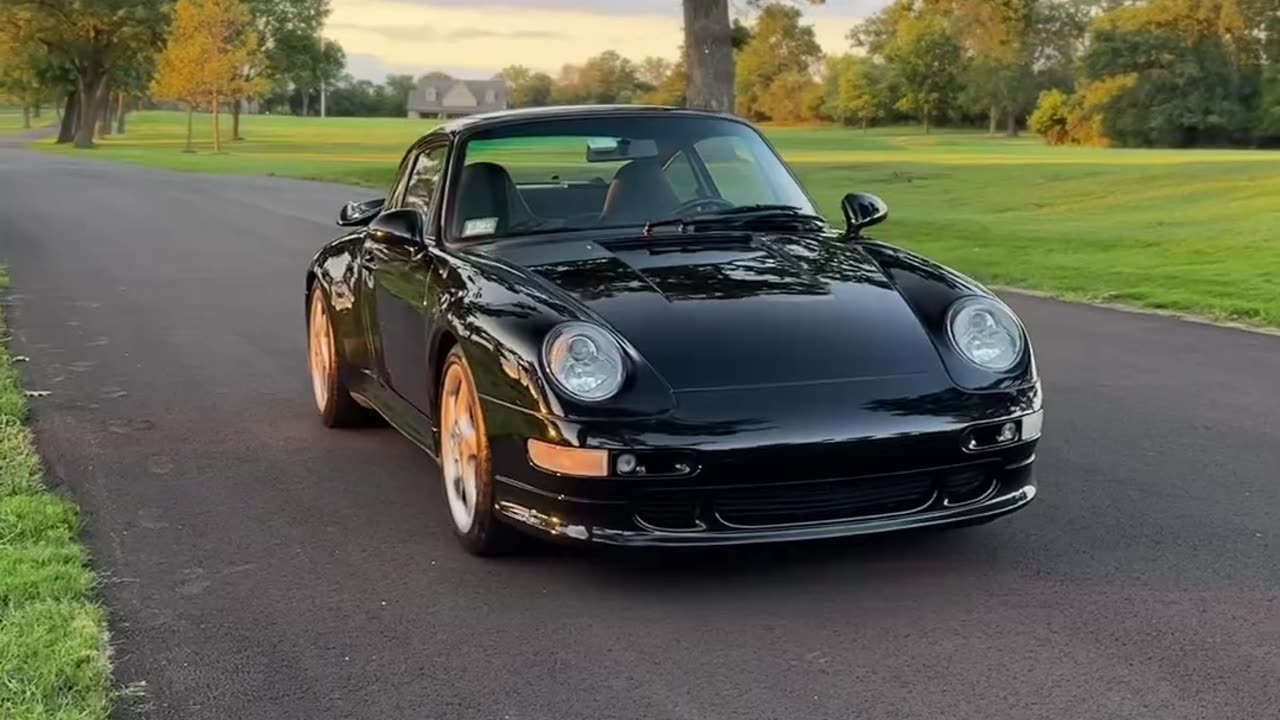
[(486, 534), (333, 401)]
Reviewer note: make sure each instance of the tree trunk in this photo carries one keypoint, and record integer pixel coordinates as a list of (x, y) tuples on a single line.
[(67, 129), (306, 103), (993, 120), (26, 117), (235, 121), (865, 123), (90, 86), (217, 140), (708, 51), (35, 110), (925, 120), (1012, 130), (190, 112), (106, 113), (121, 111)]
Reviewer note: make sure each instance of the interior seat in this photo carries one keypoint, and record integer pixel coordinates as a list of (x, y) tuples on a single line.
[(487, 192), (639, 192)]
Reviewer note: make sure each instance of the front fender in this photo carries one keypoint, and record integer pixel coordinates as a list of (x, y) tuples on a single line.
[(336, 269), (931, 289), (499, 314)]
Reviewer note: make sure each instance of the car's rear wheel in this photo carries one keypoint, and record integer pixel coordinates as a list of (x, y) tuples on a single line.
[(465, 462), (334, 402)]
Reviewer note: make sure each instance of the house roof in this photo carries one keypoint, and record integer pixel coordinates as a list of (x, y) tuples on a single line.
[(421, 101)]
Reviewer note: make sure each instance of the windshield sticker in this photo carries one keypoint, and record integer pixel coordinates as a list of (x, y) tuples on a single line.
[(480, 226)]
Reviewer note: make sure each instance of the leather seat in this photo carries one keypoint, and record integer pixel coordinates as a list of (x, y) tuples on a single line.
[(486, 191), (639, 192)]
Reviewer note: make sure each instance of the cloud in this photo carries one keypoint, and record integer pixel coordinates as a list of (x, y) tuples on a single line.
[(476, 38), (427, 33)]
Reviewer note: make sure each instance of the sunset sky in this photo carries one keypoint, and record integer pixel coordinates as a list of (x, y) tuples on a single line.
[(476, 38)]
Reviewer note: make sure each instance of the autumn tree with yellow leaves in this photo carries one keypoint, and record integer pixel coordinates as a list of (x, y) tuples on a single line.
[(210, 45)]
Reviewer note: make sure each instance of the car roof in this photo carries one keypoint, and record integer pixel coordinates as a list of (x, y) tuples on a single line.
[(556, 112)]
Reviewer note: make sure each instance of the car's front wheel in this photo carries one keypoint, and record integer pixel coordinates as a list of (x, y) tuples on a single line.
[(334, 402), (465, 462)]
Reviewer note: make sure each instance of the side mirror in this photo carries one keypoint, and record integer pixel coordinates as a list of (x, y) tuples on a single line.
[(357, 214), (861, 211), (397, 227)]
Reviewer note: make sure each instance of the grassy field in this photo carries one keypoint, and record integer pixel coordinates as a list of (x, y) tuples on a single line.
[(54, 661), (11, 120), (1193, 231)]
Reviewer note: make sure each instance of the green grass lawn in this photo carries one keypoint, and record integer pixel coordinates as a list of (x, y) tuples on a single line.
[(11, 120), (1185, 230), (54, 662)]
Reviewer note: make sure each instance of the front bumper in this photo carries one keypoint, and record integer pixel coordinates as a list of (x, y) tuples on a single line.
[(828, 464), (621, 512)]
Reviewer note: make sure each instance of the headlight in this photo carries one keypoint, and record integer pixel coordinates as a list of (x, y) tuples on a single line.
[(584, 361), (985, 333)]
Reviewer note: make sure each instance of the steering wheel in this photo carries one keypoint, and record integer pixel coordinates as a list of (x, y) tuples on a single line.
[(699, 206)]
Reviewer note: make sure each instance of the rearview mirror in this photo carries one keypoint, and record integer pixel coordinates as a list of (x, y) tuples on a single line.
[(861, 211), (618, 149), (357, 214)]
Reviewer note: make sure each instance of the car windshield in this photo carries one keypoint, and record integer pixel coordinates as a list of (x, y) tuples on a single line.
[(616, 171)]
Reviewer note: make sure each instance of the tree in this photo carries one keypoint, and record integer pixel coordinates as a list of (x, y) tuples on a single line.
[(709, 42), (779, 47), (286, 29), (92, 38), (319, 62), (399, 88), (1050, 117), (179, 68), (526, 88), (23, 63), (654, 71), (671, 91), (1195, 69), (858, 90), (608, 78), (209, 44), (791, 97), (927, 59)]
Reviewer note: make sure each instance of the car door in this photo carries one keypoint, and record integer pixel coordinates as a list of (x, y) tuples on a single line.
[(398, 274)]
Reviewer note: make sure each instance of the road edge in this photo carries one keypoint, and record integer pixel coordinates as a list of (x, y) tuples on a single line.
[(55, 651)]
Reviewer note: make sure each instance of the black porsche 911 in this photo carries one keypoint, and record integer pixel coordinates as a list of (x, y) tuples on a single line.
[(631, 326)]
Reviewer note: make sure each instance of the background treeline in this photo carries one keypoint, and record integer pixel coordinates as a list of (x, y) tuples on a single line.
[(1138, 72), (94, 59), (1102, 72)]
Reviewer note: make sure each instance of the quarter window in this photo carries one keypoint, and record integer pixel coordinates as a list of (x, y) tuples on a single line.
[(421, 188)]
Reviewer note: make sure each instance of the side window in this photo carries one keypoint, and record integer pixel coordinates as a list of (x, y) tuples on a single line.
[(737, 175), (680, 175), (421, 188)]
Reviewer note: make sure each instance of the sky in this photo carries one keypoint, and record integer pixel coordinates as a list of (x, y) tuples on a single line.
[(476, 38)]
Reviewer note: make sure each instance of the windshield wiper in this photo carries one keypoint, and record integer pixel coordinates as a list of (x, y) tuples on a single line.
[(747, 213), (738, 216)]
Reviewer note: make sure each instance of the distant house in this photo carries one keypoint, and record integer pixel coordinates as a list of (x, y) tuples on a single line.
[(438, 96)]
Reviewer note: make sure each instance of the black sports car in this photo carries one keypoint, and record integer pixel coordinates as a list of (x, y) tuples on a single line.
[(631, 326)]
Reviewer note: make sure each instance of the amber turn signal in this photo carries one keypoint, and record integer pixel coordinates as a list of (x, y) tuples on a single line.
[(579, 462)]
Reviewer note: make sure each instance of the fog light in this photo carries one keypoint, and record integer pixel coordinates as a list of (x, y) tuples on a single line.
[(580, 462), (1008, 433), (626, 464)]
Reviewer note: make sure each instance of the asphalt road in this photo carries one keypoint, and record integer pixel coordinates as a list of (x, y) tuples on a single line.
[(259, 566)]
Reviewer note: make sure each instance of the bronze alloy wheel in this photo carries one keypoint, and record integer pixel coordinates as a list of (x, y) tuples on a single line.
[(465, 463), (336, 406)]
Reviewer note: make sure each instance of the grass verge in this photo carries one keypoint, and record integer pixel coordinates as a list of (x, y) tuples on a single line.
[(1186, 231), (54, 657)]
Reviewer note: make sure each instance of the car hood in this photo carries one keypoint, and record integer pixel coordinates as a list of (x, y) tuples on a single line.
[(741, 310)]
